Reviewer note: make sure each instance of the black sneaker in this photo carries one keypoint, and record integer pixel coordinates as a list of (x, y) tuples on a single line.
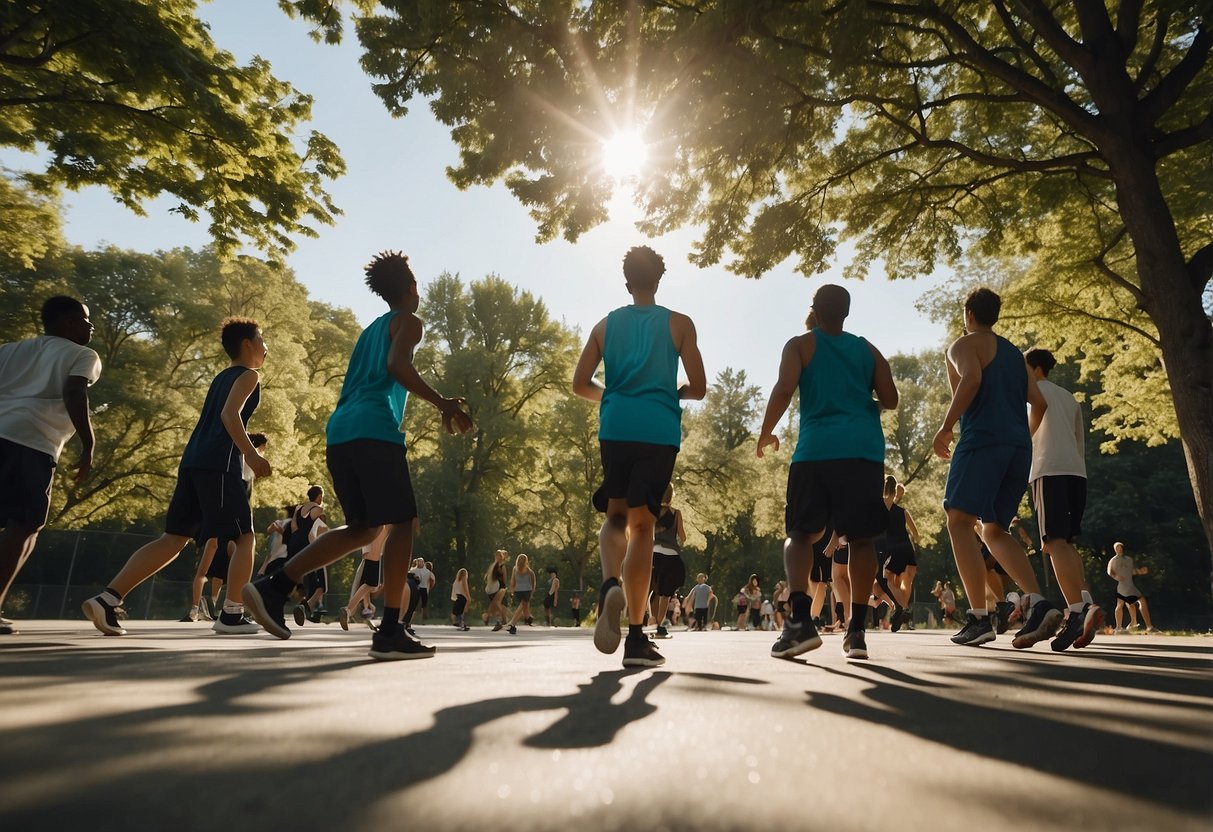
[(103, 614), (497, 626), (640, 652), (301, 614), (855, 644), (316, 614), (399, 647), (1093, 618), (264, 604), (235, 624), (343, 618), (1070, 630), (189, 617), (1003, 610), (611, 602), (978, 630), (896, 618), (7, 628), (662, 632), (1042, 623), (513, 630), (798, 637)]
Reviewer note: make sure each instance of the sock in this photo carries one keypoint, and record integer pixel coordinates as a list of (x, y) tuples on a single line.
[(801, 604), (390, 625), (981, 613), (1034, 599), (234, 607), (112, 597), (1077, 607), (1086, 597), (635, 631), (859, 617)]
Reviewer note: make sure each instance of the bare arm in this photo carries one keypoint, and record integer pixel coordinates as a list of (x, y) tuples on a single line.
[(584, 383), (679, 531), (406, 335), (1036, 403), (882, 381), (75, 399), (686, 340), (230, 416), (964, 375), (791, 363), (911, 528)]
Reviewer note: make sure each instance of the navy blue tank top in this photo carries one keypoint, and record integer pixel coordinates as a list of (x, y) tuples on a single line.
[(998, 414), (210, 445)]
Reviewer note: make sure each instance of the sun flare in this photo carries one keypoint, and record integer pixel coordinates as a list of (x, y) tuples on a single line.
[(624, 155)]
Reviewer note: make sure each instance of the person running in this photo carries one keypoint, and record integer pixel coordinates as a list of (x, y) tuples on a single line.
[(369, 581), (779, 595), (210, 497), (900, 536), (753, 599), (314, 584), (837, 471), (551, 597), (425, 582), (1122, 570), (669, 570), (495, 589), (276, 534), (989, 469), (1058, 482), (213, 564), (44, 385), (368, 462), (639, 435), (742, 601), (575, 608), (699, 599), (903, 571), (460, 593), (522, 584)]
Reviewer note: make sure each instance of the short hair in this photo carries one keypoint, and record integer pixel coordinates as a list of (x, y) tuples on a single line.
[(643, 267), (832, 302), (552, 570), (890, 484), (388, 275), (55, 309), (314, 492), (259, 440), (984, 304), (235, 331), (701, 577), (1040, 359)]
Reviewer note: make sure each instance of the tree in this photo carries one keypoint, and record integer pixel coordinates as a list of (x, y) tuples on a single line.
[(143, 102), (917, 130)]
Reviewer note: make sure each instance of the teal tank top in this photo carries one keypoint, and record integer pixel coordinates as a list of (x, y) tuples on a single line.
[(640, 403), (372, 402), (998, 414), (839, 419)]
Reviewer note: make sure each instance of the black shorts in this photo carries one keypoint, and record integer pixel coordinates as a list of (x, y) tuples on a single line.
[(220, 562), (423, 596), (371, 479), (312, 581), (461, 604), (1128, 599), (522, 596), (548, 601), (636, 471), (1059, 503), (370, 573), (669, 574), (842, 555), (208, 504), (25, 485), (846, 494), (900, 553)]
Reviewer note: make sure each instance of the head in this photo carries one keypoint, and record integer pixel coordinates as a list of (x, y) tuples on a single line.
[(522, 562), (552, 571), (753, 582), (501, 555), (1118, 548), (981, 309), (316, 494), (890, 486), (831, 305), (461, 575), (701, 578), (66, 317), (243, 342), (642, 269), (259, 440), (1041, 361), (388, 275), (429, 564)]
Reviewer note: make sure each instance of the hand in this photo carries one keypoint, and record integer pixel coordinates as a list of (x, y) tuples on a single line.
[(767, 440), (454, 420), (83, 465), (259, 465), (942, 443)]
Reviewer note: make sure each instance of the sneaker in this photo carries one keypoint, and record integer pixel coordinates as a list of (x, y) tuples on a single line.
[(399, 647), (1043, 620), (301, 614), (316, 614), (343, 618), (1069, 631), (641, 652), (1003, 610), (1093, 618), (607, 634), (369, 612), (204, 611), (7, 628), (855, 645), (264, 604), (1120, 631), (662, 632), (103, 614), (798, 637), (896, 618), (192, 615), (977, 631), (498, 626), (235, 624), (1153, 630), (513, 630)]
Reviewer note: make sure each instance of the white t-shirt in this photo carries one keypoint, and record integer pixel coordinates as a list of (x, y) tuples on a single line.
[(32, 374), (425, 578), (1057, 445), (1122, 570)]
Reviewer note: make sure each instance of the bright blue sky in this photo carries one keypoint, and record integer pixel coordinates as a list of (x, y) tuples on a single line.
[(396, 195)]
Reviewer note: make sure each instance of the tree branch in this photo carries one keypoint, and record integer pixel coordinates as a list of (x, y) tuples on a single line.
[(1128, 22), (1035, 57), (1161, 23), (1177, 140), (1173, 84), (49, 51)]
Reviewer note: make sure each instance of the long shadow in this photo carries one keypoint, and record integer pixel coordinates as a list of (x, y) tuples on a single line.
[(1167, 774)]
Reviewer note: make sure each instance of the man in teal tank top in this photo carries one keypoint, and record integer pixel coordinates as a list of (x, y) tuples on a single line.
[(640, 431), (836, 479), (992, 392), (368, 463)]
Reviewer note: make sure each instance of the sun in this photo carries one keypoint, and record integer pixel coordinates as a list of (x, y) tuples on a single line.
[(624, 155)]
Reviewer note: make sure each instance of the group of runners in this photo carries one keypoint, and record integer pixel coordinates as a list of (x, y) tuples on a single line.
[(1016, 428)]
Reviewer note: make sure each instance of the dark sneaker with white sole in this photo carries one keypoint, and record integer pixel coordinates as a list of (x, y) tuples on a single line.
[(607, 634), (798, 637), (641, 652), (1093, 618), (235, 624), (1003, 610), (855, 644), (978, 630), (103, 614), (301, 614), (1043, 621), (399, 647), (264, 603), (662, 632)]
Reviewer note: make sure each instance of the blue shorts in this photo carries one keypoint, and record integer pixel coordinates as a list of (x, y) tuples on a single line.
[(988, 482)]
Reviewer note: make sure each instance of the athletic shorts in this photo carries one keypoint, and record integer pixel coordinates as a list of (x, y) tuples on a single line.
[(461, 604), (846, 494), (988, 482), (549, 602), (669, 574), (208, 504), (1059, 503), (25, 485), (742, 609), (312, 581), (220, 562), (370, 573), (636, 471), (900, 553), (424, 596), (522, 596), (1128, 599), (371, 479), (701, 617)]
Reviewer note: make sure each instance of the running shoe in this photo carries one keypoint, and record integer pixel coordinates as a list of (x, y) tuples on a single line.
[(316, 614), (1069, 631), (499, 625), (610, 606), (1153, 630), (641, 652), (204, 610), (977, 631), (235, 624), (1120, 631), (192, 615), (399, 647), (343, 618), (662, 632), (103, 614), (1043, 620), (896, 618), (264, 603), (1003, 610), (1093, 618), (7, 628), (513, 630), (301, 614), (369, 612), (798, 637), (855, 644)]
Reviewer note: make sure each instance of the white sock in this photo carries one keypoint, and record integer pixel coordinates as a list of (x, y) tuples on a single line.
[(1086, 597), (1077, 607), (108, 597), (233, 607), (1034, 599), (979, 613)]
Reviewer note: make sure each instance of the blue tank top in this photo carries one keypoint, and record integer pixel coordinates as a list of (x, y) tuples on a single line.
[(839, 419), (640, 403), (210, 446), (998, 414), (372, 402), (524, 582)]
